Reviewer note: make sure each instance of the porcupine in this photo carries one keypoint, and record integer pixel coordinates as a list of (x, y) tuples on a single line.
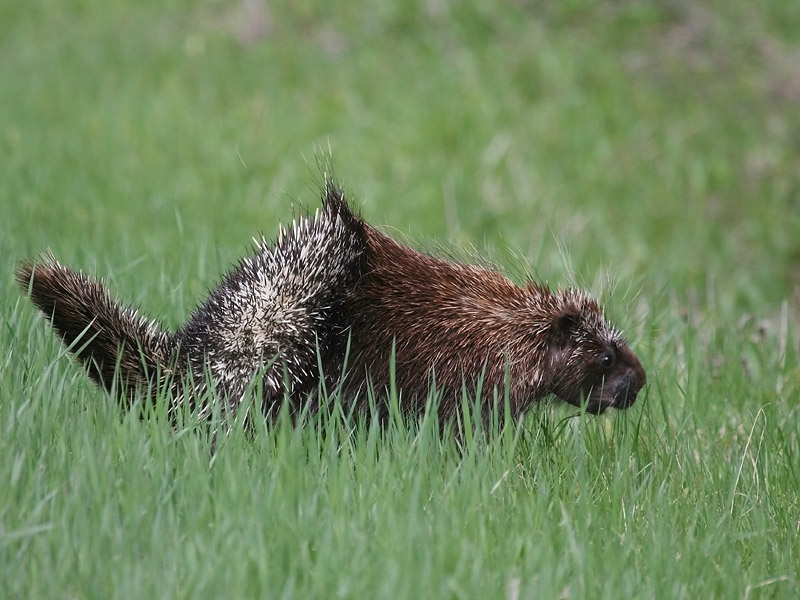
[(332, 303)]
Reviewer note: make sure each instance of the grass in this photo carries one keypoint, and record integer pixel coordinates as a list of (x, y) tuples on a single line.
[(646, 151)]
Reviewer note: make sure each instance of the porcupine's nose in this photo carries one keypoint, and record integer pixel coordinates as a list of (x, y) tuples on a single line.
[(633, 383)]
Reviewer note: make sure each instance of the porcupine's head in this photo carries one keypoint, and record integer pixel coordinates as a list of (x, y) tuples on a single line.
[(589, 361)]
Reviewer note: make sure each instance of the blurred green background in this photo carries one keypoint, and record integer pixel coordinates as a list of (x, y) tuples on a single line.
[(658, 139)]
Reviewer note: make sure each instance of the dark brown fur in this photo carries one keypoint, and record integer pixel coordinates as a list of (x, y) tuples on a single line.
[(453, 325)]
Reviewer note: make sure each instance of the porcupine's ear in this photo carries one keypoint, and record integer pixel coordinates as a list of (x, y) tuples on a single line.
[(563, 325)]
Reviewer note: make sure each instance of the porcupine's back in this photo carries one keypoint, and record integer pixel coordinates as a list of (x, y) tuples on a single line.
[(278, 315)]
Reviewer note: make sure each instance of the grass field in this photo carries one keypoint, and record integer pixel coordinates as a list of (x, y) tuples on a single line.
[(647, 151)]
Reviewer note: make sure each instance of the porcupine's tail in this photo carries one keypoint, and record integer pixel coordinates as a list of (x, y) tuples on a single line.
[(114, 343)]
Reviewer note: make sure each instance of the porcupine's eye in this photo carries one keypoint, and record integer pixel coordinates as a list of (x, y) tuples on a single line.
[(606, 360)]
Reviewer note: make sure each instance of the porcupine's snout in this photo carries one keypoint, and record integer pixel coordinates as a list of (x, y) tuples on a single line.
[(621, 386)]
